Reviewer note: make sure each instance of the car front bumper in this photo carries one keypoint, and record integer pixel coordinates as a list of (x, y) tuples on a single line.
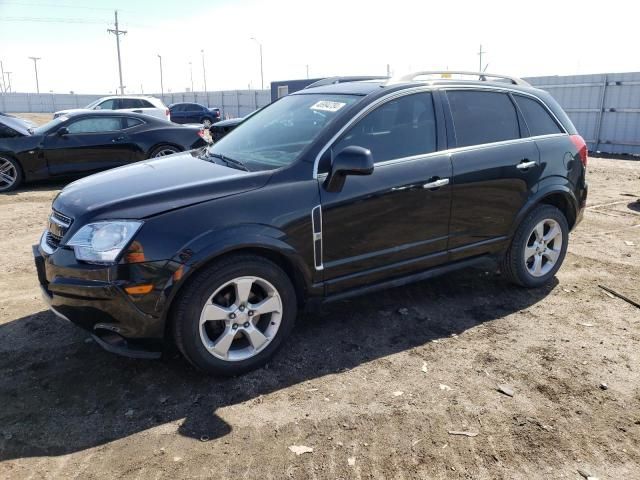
[(94, 298)]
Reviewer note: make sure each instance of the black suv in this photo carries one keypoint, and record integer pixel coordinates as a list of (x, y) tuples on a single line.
[(326, 193)]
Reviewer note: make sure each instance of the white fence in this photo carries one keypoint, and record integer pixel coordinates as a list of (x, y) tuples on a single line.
[(233, 103)]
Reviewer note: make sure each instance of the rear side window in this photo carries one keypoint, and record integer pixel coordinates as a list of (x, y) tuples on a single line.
[(133, 122), (482, 117), (536, 116), (146, 104), (400, 128), (131, 103)]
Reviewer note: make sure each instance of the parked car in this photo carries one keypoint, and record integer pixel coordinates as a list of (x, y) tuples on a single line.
[(144, 104), (221, 128), (84, 143), (194, 113), (327, 193), (12, 126)]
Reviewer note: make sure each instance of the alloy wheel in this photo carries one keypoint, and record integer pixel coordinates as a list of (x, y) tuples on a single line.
[(165, 151), (8, 174), (240, 319), (544, 245), (206, 123)]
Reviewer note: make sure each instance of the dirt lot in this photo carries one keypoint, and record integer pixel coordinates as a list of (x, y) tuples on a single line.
[(374, 385)]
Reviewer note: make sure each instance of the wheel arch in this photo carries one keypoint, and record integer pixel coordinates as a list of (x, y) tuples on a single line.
[(292, 266), (559, 196)]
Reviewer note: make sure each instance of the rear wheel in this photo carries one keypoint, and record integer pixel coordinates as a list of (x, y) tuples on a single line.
[(538, 247), (206, 122), (163, 151), (234, 315), (10, 174)]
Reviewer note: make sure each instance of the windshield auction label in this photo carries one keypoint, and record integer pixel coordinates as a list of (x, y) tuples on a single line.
[(327, 106)]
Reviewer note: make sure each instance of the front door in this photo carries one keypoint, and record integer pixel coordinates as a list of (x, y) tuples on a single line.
[(396, 220), (92, 144)]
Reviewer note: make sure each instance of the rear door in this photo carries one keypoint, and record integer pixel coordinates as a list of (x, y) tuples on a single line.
[(396, 220), (495, 169), (92, 144)]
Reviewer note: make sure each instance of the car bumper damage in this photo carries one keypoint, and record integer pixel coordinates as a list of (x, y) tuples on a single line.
[(95, 298)]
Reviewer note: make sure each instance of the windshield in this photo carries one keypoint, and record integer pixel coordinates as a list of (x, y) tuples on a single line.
[(50, 125), (275, 136), (93, 104)]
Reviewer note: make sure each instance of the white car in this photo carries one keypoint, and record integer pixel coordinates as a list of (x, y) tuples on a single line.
[(129, 103)]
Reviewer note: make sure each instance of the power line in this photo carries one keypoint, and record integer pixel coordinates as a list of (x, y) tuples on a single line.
[(117, 32), (53, 20)]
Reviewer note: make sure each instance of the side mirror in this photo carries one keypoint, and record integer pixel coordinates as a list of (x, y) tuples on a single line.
[(351, 160), (62, 131)]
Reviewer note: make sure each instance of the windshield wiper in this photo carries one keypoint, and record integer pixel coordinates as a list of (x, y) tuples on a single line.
[(229, 161)]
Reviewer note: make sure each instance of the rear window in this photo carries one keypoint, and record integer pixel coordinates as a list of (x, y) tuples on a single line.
[(482, 117), (537, 118), (133, 122)]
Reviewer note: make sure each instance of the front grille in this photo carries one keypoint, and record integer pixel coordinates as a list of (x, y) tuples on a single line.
[(58, 225)]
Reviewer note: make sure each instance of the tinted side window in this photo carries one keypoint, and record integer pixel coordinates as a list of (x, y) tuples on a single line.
[(482, 117), (178, 108), (399, 128), (146, 104), (96, 125), (536, 116), (133, 122), (130, 103)]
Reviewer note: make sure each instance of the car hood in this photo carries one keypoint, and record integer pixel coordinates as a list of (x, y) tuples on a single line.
[(151, 187)]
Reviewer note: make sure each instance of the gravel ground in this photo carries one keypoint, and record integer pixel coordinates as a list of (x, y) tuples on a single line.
[(374, 385)]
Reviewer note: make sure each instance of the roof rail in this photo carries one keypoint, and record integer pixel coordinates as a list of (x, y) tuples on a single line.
[(344, 79), (444, 75)]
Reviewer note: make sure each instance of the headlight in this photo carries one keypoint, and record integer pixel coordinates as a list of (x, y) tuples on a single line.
[(102, 242)]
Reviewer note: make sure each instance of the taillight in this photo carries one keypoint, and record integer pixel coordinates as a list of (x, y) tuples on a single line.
[(581, 145), (167, 113), (218, 114)]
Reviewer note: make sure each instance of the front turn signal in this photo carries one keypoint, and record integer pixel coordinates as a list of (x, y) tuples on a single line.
[(139, 289)]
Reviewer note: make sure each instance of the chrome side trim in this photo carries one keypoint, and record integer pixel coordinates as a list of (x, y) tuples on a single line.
[(316, 230)]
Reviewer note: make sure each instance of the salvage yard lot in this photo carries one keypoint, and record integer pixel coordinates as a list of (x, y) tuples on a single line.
[(373, 385)]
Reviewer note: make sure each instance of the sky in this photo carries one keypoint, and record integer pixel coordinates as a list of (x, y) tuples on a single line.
[(331, 37)]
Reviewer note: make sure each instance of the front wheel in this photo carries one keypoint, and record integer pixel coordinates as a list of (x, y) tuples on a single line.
[(10, 174), (538, 247), (234, 315)]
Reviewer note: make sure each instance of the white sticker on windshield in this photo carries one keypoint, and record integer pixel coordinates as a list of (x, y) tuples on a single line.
[(63, 118), (327, 106)]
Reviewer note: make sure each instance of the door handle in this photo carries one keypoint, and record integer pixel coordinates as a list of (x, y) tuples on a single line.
[(117, 139), (441, 182), (137, 111), (526, 164)]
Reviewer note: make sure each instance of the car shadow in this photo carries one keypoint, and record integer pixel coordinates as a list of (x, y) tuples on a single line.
[(61, 393)]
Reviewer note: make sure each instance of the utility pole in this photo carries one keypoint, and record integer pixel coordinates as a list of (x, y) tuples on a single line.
[(117, 32), (8, 84), (307, 70), (3, 87), (161, 84), (191, 70), (388, 70), (480, 52), (204, 73), (261, 70), (35, 65)]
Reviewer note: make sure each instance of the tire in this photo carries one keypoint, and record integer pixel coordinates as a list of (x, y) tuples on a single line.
[(212, 293), (10, 174), (206, 122), (529, 262), (163, 151)]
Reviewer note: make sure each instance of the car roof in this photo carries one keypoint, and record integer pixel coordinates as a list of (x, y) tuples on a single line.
[(370, 86), (117, 113)]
